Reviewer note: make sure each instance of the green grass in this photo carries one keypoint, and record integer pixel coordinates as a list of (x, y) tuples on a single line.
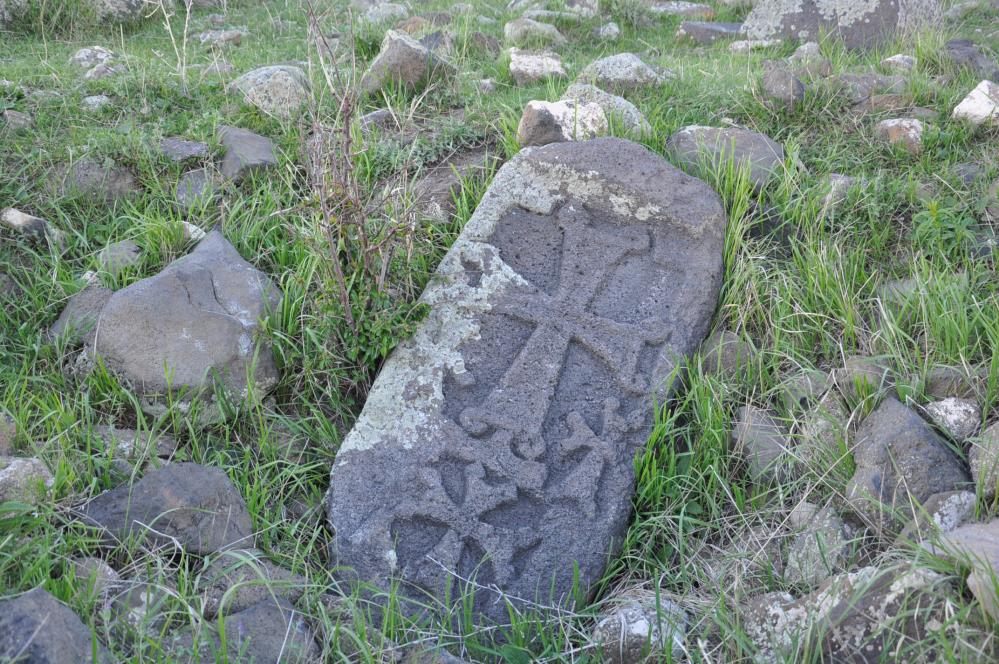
[(807, 301)]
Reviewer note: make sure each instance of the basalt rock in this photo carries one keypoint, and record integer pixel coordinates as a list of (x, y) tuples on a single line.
[(498, 442)]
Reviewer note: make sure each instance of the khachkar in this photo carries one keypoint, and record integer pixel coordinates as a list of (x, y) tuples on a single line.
[(498, 444)]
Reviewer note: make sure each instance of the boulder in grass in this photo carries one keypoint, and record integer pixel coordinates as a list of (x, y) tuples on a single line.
[(860, 25), (35, 627), (245, 152), (695, 145), (708, 32), (506, 428), (403, 61), (622, 72), (617, 109), (527, 67), (546, 122), (24, 480), (194, 507), (278, 90), (528, 32), (639, 626), (191, 329)]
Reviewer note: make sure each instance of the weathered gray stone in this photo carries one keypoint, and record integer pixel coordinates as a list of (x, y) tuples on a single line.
[(245, 152), (820, 549), (385, 12), (781, 87), (904, 132), (621, 72), (900, 462), (15, 120), (978, 545), (91, 56), (24, 480), (958, 418), (694, 146), (940, 513), (693, 10), (190, 328), (862, 375), (122, 11), (269, 631), (195, 188), (527, 68), (527, 32), (235, 580), (86, 177), (858, 24), (838, 187), (708, 32), (434, 193), (944, 382), (8, 434), (725, 353), (640, 626), (823, 435), (981, 106), (805, 388), (278, 90), (507, 425), (405, 62), (858, 88), (95, 102), (78, 320), (608, 31), (761, 441), (860, 617), (37, 628), (95, 575), (615, 108), (899, 62), (195, 507), (966, 54), (34, 227), (119, 256), (178, 150), (983, 457), (545, 122)]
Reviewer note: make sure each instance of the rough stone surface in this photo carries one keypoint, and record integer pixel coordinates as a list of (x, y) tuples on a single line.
[(434, 193), (858, 24), (87, 177), (195, 188), (191, 327), (904, 132), (983, 458), (91, 56), (615, 108), (900, 462), (8, 434), (99, 577), (862, 375), (981, 106), (95, 102), (940, 513), (34, 227), (507, 425), (639, 627), (978, 544), (608, 31), (805, 388), (695, 144), (269, 631), (708, 32), (760, 440), (245, 152), (385, 12), (121, 11), (781, 87), (15, 120), (838, 186), (403, 61), (857, 617), (528, 32), (192, 506), (621, 72), (692, 10), (179, 150), (235, 580), (24, 480), (119, 256), (35, 627), (527, 68), (958, 418), (545, 122), (78, 320), (725, 353), (278, 90), (899, 62), (824, 434), (966, 54), (819, 550), (858, 88), (748, 45)]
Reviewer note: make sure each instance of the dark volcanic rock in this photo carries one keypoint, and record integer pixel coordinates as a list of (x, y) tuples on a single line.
[(190, 327), (966, 53), (194, 506), (498, 442), (695, 144), (245, 152), (858, 24), (35, 628), (79, 318)]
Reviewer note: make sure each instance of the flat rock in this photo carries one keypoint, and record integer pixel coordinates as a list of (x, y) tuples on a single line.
[(87, 177), (506, 428), (708, 32), (195, 507), (179, 150), (859, 25), (78, 320), (617, 109), (694, 145), (900, 462), (853, 617), (269, 631), (278, 90), (35, 627), (527, 68), (195, 188), (190, 328), (405, 62), (434, 192), (820, 549), (245, 152), (621, 72), (545, 122), (981, 106)]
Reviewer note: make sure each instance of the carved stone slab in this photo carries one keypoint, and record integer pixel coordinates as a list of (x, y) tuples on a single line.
[(498, 443)]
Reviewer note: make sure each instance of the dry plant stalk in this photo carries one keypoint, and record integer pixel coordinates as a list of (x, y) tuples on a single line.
[(359, 230), (179, 50)]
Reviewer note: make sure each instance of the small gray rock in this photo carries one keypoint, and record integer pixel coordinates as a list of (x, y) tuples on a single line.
[(695, 144), (87, 177), (725, 353), (639, 627), (761, 441), (528, 32), (824, 435), (966, 54), (622, 72), (527, 68), (278, 90), (404, 61), (708, 32), (820, 549), (34, 227), (805, 388), (940, 513), (546, 122), (977, 544), (37, 628), (234, 580), (958, 418), (781, 87), (862, 375), (15, 120), (245, 152), (178, 150), (900, 462), (91, 56), (24, 480), (984, 460), (195, 188), (615, 108), (119, 256), (184, 504)]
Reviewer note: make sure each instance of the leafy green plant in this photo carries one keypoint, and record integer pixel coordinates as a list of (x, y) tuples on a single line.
[(943, 230)]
